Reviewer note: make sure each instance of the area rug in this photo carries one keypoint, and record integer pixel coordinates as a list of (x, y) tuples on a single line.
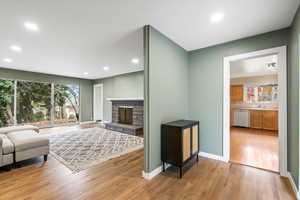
[(81, 149)]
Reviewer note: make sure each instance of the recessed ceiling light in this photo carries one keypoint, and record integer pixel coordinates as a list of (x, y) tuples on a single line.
[(8, 60), (217, 17), (105, 68), (31, 26), (85, 73), (16, 48), (135, 60)]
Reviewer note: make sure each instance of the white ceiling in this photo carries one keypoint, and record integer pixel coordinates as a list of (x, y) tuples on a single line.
[(252, 67), (78, 36)]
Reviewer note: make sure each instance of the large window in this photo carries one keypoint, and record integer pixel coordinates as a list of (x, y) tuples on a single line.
[(66, 103), (34, 103), (6, 103)]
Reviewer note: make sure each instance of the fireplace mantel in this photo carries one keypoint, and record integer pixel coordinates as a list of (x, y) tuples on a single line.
[(125, 99)]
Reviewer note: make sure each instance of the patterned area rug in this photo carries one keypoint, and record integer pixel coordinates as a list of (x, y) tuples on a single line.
[(81, 149)]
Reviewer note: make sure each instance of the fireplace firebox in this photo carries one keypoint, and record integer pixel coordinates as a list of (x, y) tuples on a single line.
[(125, 115)]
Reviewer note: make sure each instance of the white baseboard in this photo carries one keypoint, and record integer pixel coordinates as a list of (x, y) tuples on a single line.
[(153, 173), (212, 156), (295, 189)]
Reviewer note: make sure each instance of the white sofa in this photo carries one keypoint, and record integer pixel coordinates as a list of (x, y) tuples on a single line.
[(19, 143)]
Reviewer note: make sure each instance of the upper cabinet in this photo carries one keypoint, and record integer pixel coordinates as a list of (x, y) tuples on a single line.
[(236, 93)]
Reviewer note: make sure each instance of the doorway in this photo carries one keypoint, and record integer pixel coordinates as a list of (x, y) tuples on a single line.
[(255, 109), (98, 102)]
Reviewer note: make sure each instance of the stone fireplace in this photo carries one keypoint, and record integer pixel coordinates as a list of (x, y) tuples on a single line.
[(127, 115)]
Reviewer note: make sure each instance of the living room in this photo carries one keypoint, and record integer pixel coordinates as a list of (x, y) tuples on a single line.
[(96, 96)]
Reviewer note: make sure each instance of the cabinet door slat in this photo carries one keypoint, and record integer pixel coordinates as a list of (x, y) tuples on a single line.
[(186, 142)]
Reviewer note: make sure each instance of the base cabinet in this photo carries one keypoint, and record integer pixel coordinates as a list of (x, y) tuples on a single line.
[(264, 119), (179, 142), (270, 120), (256, 119)]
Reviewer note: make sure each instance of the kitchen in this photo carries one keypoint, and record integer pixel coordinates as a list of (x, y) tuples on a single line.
[(254, 112)]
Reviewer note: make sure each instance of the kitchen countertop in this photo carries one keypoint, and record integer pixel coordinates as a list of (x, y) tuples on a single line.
[(272, 109)]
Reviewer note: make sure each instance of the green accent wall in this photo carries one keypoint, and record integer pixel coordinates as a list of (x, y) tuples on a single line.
[(293, 99), (206, 83), (166, 89), (86, 87), (129, 85)]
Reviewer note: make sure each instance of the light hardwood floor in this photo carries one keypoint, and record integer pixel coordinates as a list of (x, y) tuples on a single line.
[(120, 178), (253, 147)]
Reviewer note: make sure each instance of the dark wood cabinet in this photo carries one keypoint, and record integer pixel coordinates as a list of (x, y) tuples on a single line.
[(179, 142)]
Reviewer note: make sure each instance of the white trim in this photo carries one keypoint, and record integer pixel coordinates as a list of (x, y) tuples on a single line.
[(282, 80), (101, 104), (125, 99), (153, 173), (295, 189), (212, 156)]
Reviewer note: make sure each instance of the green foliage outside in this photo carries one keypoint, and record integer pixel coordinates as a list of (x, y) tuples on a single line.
[(72, 117), (39, 116), (31, 96), (64, 93), (6, 100), (34, 101)]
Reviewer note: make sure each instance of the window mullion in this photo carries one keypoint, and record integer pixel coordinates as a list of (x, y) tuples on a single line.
[(52, 105), (15, 102)]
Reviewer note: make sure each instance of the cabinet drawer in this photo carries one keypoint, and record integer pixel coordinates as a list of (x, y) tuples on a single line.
[(186, 144)]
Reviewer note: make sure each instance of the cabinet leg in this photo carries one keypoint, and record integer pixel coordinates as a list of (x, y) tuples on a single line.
[(164, 167), (8, 167), (197, 158), (180, 172)]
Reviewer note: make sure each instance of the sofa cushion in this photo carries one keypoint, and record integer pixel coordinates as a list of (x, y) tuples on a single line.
[(18, 128), (7, 145), (28, 139)]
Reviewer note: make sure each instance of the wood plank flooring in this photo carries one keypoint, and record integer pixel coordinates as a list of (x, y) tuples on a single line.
[(253, 147), (120, 178)]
